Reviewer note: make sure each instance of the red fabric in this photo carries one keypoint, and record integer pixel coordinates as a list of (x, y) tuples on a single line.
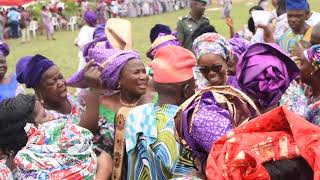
[(14, 2), (279, 134)]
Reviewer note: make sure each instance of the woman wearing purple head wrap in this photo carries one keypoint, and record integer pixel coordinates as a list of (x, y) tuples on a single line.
[(42, 75), (123, 73), (9, 86), (264, 72)]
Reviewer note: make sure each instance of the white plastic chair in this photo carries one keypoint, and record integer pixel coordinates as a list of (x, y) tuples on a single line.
[(33, 27), (55, 23), (72, 24)]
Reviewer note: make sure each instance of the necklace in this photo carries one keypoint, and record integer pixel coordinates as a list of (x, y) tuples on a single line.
[(129, 105)]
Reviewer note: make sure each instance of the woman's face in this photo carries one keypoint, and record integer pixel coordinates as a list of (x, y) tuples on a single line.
[(39, 115), (306, 69), (214, 69), (3, 66), (134, 78), (53, 87)]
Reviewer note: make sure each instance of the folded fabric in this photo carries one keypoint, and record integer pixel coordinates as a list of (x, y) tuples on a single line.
[(210, 114), (119, 33), (57, 149), (110, 61), (276, 135), (264, 72)]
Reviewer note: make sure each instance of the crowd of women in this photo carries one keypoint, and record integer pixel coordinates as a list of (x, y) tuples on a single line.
[(135, 8), (255, 117)]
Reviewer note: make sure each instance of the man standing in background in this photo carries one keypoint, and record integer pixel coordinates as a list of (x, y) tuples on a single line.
[(14, 17), (188, 24)]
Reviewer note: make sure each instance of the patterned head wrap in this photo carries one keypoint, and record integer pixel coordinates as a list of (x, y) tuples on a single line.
[(58, 149), (210, 114), (30, 69), (313, 55), (4, 49), (111, 62), (212, 43), (239, 45)]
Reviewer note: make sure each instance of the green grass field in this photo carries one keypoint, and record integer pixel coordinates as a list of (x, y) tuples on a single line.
[(65, 54)]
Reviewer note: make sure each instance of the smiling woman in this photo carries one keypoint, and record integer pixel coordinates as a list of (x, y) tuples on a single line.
[(124, 82)]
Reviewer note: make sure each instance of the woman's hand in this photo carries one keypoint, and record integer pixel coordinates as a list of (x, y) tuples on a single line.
[(267, 33), (92, 75), (229, 22)]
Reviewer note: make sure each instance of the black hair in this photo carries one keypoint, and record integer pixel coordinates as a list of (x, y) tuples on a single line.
[(203, 28), (251, 25), (291, 169), (255, 8), (15, 113)]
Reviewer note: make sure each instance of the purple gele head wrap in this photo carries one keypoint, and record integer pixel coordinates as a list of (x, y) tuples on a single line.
[(264, 72), (92, 44), (239, 45), (90, 18), (30, 69), (111, 62), (4, 49), (209, 123)]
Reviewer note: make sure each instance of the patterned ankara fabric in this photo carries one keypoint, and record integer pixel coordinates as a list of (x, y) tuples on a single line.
[(57, 149), (278, 134), (289, 40), (5, 172), (295, 100), (210, 114), (74, 116), (152, 150)]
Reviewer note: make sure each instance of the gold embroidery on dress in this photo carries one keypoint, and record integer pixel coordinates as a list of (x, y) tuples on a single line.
[(283, 145), (264, 149)]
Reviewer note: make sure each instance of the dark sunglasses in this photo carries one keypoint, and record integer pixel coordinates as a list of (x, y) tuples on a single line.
[(215, 68)]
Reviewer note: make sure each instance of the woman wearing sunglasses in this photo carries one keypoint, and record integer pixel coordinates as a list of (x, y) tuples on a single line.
[(214, 57)]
